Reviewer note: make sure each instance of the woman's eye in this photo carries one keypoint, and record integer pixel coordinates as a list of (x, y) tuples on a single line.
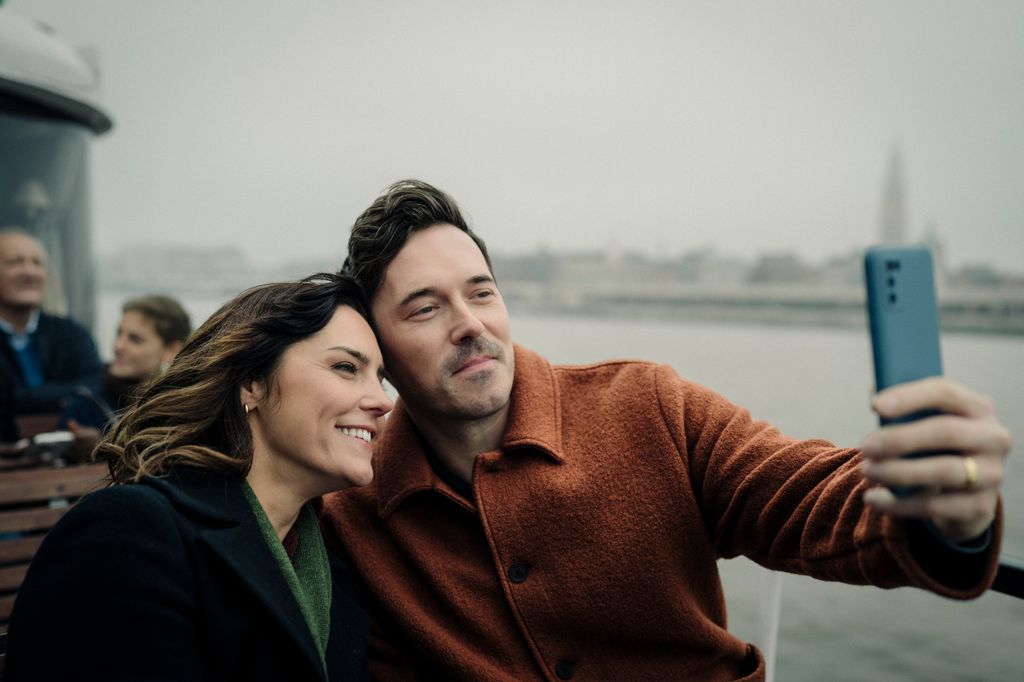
[(346, 367)]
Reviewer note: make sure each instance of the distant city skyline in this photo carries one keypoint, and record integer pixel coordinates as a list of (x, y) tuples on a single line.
[(658, 127)]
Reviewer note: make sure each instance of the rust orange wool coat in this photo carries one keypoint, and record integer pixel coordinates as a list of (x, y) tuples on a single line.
[(588, 550)]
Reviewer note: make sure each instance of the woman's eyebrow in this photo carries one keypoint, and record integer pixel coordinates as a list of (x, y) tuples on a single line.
[(360, 357)]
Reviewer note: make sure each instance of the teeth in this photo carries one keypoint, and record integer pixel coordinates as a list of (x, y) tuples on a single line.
[(356, 433)]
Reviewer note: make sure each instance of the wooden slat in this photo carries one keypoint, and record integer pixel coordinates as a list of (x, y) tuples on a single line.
[(30, 519), (12, 576), (33, 424), (41, 483), (53, 489), (19, 549), (6, 604)]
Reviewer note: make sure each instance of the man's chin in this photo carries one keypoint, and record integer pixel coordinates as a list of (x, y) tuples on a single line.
[(477, 406), (26, 303), (478, 410)]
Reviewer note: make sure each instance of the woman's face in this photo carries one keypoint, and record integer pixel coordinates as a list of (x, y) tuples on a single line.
[(138, 349), (312, 426)]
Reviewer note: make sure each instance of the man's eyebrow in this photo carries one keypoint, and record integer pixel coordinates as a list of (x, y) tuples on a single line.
[(483, 278), (419, 293)]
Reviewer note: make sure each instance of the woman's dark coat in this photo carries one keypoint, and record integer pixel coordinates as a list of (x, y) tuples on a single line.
[(171, 579)]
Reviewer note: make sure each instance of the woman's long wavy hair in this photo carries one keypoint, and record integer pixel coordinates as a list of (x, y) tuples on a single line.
[(192, 414)]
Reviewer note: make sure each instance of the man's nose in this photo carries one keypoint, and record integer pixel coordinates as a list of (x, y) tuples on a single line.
[(34, 270), (465, 325)]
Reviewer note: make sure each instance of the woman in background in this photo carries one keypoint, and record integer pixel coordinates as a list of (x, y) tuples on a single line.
[(151, 332), (204, 560)]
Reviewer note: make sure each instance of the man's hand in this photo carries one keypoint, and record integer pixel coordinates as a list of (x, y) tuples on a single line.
[(86, 437), (959, 487)]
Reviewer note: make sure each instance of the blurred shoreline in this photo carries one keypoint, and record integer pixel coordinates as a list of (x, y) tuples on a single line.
[(698, 286)]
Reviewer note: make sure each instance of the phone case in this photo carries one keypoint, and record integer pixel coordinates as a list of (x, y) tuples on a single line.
[(904, 320), (903, 314)]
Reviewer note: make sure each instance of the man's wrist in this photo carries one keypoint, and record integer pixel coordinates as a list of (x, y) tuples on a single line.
[(959, 565)]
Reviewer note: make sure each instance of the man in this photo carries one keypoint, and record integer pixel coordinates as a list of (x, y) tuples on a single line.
[(536, 522), (43, 358)]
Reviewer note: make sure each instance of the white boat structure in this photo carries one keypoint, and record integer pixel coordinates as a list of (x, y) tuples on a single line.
[(50, 113)]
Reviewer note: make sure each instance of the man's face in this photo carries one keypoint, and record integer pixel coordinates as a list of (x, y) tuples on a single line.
[(444, 327), (22, 271)]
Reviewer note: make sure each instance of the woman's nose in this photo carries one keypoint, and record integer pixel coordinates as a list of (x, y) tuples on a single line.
[(377, 401)]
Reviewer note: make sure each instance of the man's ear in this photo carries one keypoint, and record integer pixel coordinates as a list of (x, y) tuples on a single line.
[(172, 350)]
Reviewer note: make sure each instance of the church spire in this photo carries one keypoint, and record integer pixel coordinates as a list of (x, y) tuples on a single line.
[(893, 218)]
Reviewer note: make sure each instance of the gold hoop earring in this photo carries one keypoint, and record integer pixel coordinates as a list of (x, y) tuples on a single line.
[(246, 406)]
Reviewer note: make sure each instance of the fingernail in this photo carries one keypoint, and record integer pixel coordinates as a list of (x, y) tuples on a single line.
[(886, 403), (875, 497)]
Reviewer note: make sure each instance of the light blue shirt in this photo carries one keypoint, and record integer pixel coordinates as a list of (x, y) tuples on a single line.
[(19, 340)]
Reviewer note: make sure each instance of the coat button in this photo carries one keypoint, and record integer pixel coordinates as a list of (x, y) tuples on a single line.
[(564, 669), (517, 572)]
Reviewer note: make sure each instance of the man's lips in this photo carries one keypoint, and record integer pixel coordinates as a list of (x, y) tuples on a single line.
[(474, 363)]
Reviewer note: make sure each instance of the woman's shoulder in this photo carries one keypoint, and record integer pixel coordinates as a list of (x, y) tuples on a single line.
[(183, 489), (125, 505)]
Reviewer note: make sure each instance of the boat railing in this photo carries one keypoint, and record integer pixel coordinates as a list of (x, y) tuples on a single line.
[(1010, 578)]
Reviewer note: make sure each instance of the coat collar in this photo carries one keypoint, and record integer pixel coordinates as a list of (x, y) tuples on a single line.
[(216, 505), (534, 423)]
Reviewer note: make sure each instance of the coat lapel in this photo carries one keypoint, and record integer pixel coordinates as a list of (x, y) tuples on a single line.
[(226, 525)]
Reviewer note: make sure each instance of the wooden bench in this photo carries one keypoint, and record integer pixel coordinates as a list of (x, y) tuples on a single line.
[(31, 502), (29, 425)]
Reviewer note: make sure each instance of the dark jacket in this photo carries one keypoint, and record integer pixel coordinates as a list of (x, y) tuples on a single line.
[(69, 359), (171, 579), (100, 409)]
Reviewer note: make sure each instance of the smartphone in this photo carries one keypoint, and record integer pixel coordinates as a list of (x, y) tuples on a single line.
[(903, 317)]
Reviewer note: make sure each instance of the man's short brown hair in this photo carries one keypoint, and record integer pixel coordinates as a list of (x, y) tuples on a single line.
[(382, 230)]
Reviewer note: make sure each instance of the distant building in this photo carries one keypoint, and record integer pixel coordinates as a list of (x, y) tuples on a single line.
[(177, 268), (779, 268), (843, 270), (707, 266)]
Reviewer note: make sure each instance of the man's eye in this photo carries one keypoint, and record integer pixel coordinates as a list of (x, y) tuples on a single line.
[(425, 309), (484, 294)]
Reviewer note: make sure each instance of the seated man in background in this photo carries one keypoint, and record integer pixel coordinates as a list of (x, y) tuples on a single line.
[(43, 357)]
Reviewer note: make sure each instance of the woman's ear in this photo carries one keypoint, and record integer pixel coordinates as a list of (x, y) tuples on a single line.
[(251, 394)]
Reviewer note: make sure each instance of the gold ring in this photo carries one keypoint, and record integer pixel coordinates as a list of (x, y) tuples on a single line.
[(970, 470)]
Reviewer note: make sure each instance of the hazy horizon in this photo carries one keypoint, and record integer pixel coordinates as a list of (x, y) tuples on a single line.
[(657, 127)]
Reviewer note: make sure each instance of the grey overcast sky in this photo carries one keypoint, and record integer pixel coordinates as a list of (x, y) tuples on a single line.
[(661, 126)]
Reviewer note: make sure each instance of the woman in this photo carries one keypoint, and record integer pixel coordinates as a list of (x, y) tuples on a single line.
[(203, 560), (151, 332)]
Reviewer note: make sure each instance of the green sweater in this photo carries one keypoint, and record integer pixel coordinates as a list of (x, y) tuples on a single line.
[(308, 574)]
